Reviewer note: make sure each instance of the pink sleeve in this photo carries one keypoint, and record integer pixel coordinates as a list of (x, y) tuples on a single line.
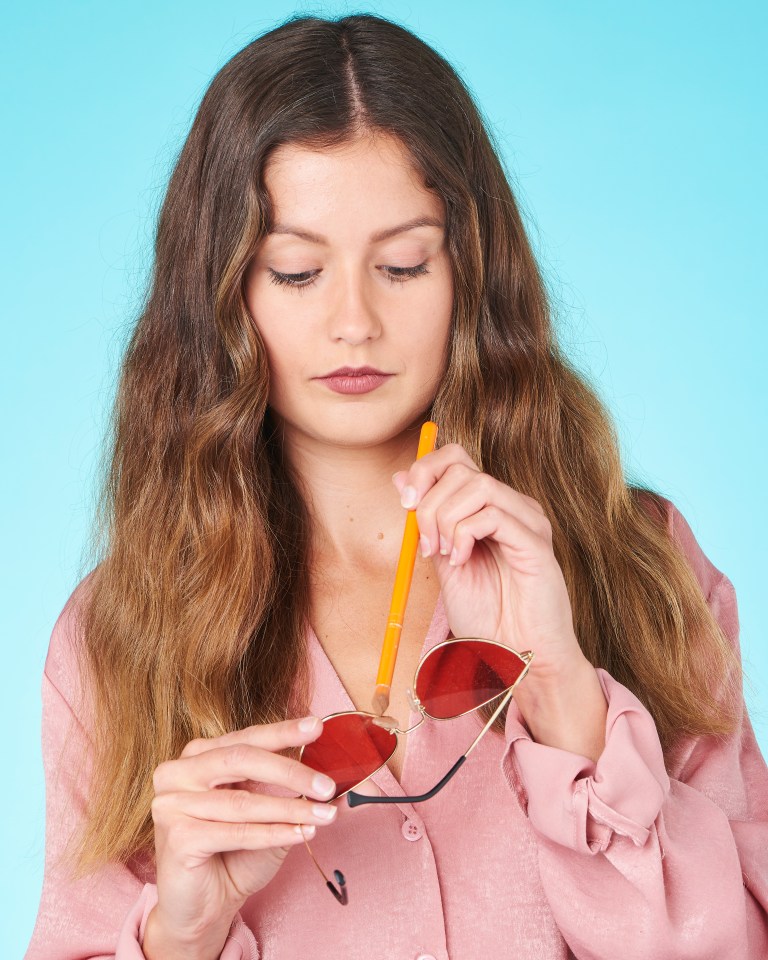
[(101, 916), (640, 864)]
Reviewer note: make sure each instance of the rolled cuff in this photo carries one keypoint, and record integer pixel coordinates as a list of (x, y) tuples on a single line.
[(240, 943), (581, 803)]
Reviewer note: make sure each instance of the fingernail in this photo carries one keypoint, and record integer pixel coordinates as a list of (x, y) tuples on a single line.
[(323, 785), (397, 479), (426, 548), (443, 545), (323, 811), (305, 830), (308, 724), (409, 497), (452, 559)]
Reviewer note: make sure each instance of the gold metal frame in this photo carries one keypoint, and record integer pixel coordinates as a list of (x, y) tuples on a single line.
[(391, 724)]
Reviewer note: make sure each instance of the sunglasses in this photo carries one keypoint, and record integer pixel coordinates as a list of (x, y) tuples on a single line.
[(454, 678)]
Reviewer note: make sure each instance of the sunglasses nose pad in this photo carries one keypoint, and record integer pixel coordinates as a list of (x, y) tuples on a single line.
[(413, 700)]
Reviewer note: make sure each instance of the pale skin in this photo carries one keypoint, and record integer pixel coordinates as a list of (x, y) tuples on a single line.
[(355, 298)]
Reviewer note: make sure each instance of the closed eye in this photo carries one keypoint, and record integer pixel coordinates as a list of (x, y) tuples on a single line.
[(307, 277)]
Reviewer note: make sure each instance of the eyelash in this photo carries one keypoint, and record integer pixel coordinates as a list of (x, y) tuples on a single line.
[(290, 279)]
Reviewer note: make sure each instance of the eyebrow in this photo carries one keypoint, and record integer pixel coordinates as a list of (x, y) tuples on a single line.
[(375, 238)]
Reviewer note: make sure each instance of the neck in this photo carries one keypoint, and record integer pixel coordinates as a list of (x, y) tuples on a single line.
[(356, 516)]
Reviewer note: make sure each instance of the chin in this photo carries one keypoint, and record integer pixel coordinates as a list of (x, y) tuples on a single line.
[(357, 424)]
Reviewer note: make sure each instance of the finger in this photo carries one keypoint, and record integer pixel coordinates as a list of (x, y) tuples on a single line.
[(237, 762), (424, 472), (269, 736), (192, 840), (504, 529), (427, 470), (240, 806), (452, 482), (478, 492)]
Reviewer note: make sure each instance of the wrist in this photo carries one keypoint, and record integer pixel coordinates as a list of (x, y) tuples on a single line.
[(551, 686), (567, 710), (159, 943)]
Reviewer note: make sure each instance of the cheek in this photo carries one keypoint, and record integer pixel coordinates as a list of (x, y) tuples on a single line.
[(277, 328), (285, 362), (432, 334), (277, 355)]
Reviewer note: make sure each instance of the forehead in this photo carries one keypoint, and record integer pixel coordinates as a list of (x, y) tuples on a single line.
[(373, 177)]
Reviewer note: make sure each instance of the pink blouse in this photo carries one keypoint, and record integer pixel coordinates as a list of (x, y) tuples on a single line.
[(529, 851)]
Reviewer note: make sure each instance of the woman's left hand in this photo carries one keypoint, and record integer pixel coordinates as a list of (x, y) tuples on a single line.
[(492, 550)]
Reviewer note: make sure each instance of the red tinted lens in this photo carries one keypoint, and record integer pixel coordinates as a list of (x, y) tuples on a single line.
[(464, 674), (350, 748)]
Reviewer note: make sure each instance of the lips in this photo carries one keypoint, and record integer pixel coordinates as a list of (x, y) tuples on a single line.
[(354, 372), (354, 380)]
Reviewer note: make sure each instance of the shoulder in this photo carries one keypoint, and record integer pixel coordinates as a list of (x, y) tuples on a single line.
[(716, 587), (681, 533), (61, 663)]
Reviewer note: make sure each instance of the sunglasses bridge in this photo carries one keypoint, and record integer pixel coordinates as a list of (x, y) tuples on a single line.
[(391, 724)]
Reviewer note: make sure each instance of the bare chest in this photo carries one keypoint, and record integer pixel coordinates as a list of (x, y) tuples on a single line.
[(350, 622)]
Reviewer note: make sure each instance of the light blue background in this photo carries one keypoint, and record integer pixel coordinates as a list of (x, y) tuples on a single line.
[(636, 134)]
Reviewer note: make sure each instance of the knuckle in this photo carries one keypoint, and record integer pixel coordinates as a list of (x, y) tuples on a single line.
[(276, 834), (462, 531), (193, 747), (494, 512), (461, 469), (295, 775), (486, 482), (292, 810), (158, 807), (469, 462), (545, 527), (439, 515), (425, 515), (236, 755), (450, 471), (240, 800), (159, 775), (242, 832)]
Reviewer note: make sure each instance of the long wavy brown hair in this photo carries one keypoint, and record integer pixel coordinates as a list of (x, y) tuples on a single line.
[(193, 618)]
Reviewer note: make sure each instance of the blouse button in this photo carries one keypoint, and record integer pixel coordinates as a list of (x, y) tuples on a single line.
[(412, 831)]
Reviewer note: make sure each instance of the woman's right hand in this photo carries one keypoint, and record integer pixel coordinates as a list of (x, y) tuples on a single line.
[(216, 846)]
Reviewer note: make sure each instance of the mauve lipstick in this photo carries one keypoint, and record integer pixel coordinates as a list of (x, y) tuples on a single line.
[(354, 380)]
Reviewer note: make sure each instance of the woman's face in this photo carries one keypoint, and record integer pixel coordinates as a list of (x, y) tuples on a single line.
[(355, 274)]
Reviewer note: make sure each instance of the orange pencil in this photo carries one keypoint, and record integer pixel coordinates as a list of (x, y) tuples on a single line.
[(403, 577)]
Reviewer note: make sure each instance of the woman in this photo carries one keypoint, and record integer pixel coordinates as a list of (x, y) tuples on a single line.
[(337, 260)]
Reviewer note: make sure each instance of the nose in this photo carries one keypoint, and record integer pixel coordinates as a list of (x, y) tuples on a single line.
[(353, 316)]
